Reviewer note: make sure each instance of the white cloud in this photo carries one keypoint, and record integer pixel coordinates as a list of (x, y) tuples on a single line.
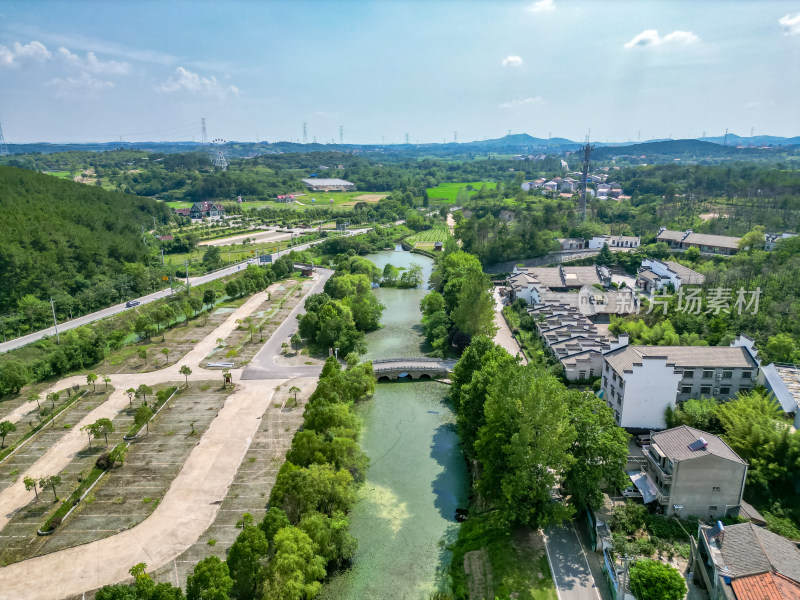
[(524, 102), (790, 23), (10, 57), (78, 87), (650, 37), (512, 61), (186, 81), (542, 6), (93, 64)]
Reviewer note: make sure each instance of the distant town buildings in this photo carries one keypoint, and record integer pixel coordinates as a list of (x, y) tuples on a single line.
[(329, 185)]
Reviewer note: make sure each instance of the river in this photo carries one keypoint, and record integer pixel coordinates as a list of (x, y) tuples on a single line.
[(403, 519)]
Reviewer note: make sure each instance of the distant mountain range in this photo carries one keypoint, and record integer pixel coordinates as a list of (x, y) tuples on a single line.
[(518, 143)]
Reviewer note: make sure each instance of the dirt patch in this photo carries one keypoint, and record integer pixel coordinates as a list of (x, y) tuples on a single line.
[(365, 198), (479, 574)]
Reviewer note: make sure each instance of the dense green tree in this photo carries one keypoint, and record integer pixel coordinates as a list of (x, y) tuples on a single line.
[(212, 258), (210, 580), (605, 256), (295, 570), (246, 563), (300, 490), (653, 580), (330, 537), (475, 306), (274, 520), (6, 427)]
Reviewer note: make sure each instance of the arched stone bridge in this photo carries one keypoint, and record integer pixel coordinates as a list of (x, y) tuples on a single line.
[(414, 368)]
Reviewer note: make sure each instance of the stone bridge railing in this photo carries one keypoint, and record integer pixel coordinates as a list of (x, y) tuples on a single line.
[(415, 367)]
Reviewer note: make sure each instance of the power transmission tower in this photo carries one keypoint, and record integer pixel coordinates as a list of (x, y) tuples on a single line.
[(341, 135), (587, 153), (725, 139), (406, 139), (3, 147), (204, 137), (455, 137), (509, 132), (305, 133)]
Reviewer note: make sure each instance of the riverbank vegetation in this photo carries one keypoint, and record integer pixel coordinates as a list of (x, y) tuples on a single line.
[(525, 434), (460, 306)]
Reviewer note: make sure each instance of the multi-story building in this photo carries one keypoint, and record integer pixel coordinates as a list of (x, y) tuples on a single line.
[(691, 472), (640, 382), (745, 562)]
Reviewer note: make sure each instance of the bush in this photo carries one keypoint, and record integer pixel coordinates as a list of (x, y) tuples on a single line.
[(651, 580), (103, 461)]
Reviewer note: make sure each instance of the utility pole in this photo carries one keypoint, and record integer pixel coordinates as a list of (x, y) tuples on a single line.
[(305, 133), (162, 257), (725, 139), (341, 135), (55, 322), (186, 264), (624, 583), (587, 152)]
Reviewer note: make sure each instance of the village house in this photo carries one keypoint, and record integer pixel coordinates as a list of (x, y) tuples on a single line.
[(705, 242), (691, 472), (745, 562), (614, 241), (655, 274), (206, 210), (771, 239), (570, 243)]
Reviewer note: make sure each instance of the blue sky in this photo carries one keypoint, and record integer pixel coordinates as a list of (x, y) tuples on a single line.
[(85, 71)]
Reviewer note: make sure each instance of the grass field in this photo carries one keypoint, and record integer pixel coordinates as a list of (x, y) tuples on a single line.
[(59, 174), (424, 240), (449, 191)]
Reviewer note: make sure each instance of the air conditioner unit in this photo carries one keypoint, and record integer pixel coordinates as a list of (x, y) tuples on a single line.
[(716, 391), (719, 375)]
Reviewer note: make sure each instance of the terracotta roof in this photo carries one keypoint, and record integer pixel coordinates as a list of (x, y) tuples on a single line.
[(766, 586), (674, 444)]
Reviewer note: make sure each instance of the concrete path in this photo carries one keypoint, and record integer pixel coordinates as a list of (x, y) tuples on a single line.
[(263, 365), (504, 338), (567, 558), (192, 501)]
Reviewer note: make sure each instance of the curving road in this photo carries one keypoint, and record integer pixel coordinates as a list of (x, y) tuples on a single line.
[(118, 308)]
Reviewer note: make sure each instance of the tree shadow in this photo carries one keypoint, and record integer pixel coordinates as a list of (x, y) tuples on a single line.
[(447, 487)]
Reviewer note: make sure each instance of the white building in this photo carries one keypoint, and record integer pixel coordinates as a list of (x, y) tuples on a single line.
[(654, 274), (614, 241), (640, 382)]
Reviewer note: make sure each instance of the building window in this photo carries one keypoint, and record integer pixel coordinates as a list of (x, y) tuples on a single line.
[(686, 389), (708, 373), (744, 389), (582, 375), (613, 376), (607, 368), (619, 400), (727, 374), (616, 416), (712, 509), (706, 389), (747, 374), (725, 390), (715, 488), (688, 374), (605, 381)]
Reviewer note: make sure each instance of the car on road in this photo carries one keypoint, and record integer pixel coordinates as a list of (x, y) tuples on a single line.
[(131, 303)]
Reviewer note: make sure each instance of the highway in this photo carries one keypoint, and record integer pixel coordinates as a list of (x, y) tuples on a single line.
[(118, 308)]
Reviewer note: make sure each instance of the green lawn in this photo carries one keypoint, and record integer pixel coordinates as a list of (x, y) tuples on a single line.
[(59, 174), (174, 205), (449, 191)]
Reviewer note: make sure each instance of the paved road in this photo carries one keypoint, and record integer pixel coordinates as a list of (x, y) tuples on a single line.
[(118, 308), (567, 558), (263, 365)]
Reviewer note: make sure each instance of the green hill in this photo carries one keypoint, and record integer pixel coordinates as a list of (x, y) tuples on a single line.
[(77, 243)]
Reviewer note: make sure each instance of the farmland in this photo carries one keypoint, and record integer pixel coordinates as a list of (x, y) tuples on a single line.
[(448, 192), (424, 240)]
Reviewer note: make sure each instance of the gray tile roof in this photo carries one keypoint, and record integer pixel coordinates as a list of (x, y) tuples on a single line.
[(749, 550), (674, 444), (686, 274), (623, 359), (703, 239)]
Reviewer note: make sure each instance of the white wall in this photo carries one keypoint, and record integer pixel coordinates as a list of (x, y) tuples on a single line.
[(648, 391), (661, 269)]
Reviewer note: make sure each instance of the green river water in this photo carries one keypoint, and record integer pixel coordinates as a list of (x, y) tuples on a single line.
[(404, 517)]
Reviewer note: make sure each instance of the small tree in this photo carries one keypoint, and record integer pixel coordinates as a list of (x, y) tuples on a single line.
[(165, 352), (30, 484), (106, 380), (6, 427), (35, 397), (186, 371), (261, 332), (53, 398), (293, 390), (209, 296), (143, 390), (103, 427), (91, 431), (131, 393), (91, 378), (50, 481), (652, 580), (225, 373), (143, 355), (117, 455), (296, 340), (143, 416)]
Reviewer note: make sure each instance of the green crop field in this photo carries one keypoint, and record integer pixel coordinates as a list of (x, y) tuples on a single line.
[(59, 174), (424, 240), (449, 191)]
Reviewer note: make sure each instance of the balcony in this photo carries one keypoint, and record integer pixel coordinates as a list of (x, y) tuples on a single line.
[(656, 466)]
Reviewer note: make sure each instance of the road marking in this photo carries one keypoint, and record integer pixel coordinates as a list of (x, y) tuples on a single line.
[(550, 562), (585, 558)]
